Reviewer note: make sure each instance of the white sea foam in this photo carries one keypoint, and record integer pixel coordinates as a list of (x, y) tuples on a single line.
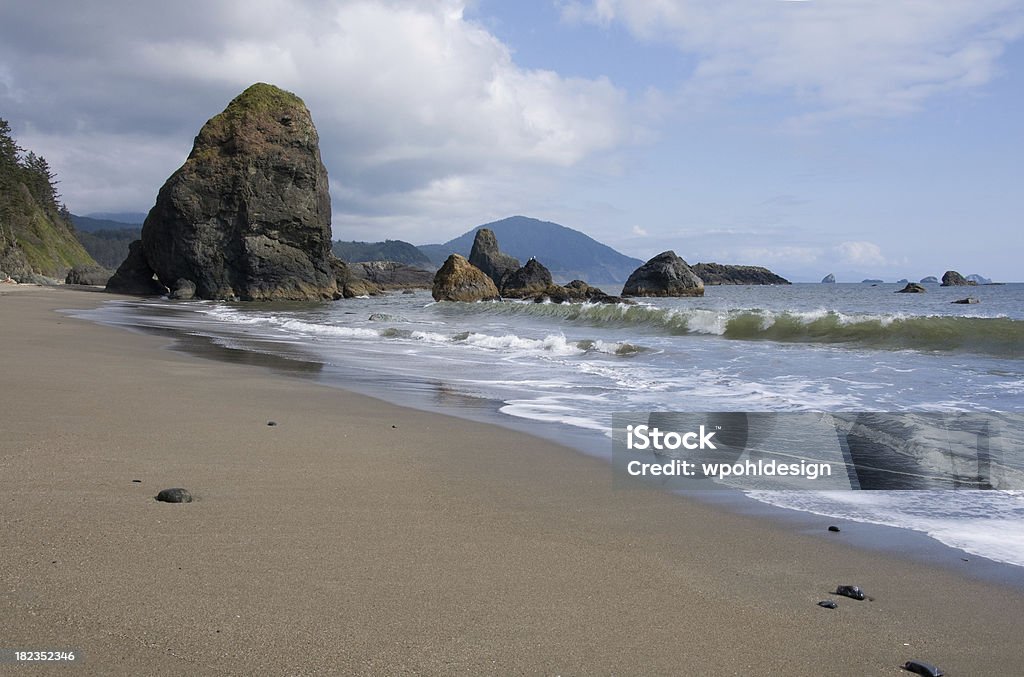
[(984, 523)]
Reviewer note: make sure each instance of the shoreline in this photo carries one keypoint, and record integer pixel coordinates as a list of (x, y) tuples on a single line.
[(334, 541), (903, 542)]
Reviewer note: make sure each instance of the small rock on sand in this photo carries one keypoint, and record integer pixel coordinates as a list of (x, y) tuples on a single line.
[(922, 668), (176, 495), (851, 591)]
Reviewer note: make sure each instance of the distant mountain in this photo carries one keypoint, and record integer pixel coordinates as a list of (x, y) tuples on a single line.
[(389, 250), (106, 240), (89, 224), (131, 218), (567, 253), (109, 247)]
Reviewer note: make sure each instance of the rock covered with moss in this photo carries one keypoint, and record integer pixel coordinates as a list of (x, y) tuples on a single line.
[(248, 215)]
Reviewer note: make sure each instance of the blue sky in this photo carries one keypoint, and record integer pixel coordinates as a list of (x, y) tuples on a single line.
[(860, 137)]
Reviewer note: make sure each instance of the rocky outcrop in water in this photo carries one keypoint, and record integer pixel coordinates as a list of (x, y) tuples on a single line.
[(248, 215), (531, 279), (349, 285), (486, 256), (978, 279), (912, 288), (951, 278), (664, 275), (459, 280), (720, 273), (829, 279), (183, 290), (392, 275), (577, 291), (931, 279), (967, 301), (96, 276)]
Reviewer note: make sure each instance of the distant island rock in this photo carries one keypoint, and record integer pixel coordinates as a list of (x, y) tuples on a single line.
[(488, 257), (719, 273), (829, 279), (664, 275), (978, 279), (903, 281), (912, 288), (931, 279), (870, 281), (460, 280), (951, 278), (248, 215)]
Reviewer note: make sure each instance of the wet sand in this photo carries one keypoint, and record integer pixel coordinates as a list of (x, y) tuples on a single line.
[(360, 537)]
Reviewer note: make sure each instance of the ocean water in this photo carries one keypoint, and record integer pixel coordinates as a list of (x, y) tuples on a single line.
[(561, 371)]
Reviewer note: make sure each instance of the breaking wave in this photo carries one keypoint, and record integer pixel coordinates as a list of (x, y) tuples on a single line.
[(999, 336)]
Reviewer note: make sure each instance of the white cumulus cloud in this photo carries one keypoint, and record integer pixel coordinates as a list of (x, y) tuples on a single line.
[(418, 107), (861, 253), (837, 58)]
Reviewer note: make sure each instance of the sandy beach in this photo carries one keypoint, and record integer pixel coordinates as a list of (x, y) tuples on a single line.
[(358, 537)]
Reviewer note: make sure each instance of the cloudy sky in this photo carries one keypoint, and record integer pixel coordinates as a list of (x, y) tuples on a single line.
[(871, 138)]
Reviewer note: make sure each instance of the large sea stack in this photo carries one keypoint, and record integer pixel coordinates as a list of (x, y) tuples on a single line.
[(486, 256), (664, 275), (248, 215)]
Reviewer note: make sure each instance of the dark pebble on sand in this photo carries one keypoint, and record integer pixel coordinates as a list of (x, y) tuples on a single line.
[(828, 604), (176, 495), (834, 528), (394, 426), (271, 423), (922, 668), (136, 481), (851, 591)]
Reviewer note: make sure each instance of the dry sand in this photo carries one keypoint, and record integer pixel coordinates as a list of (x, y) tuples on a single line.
[(337, 543)]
